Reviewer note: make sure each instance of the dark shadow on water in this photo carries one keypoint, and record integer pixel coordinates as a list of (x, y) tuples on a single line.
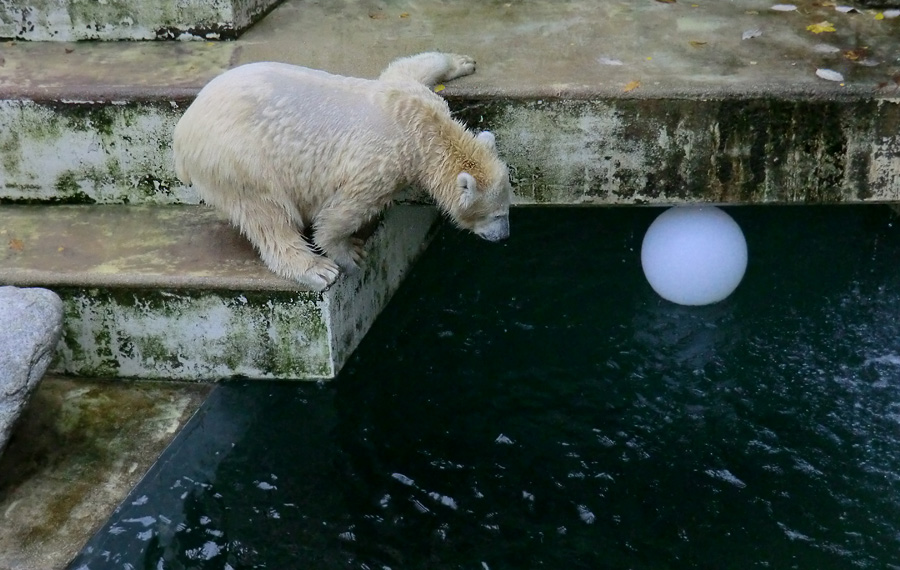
[(535, 405)]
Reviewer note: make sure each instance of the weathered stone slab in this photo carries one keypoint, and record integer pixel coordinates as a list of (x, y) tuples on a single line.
[(174, 292), (30, 331), (74, 20)]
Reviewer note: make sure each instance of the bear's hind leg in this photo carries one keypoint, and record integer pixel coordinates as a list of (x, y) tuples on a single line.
[(429, 68), (270, 227)]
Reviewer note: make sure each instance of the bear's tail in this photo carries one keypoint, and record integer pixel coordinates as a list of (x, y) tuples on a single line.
[(181, 170)]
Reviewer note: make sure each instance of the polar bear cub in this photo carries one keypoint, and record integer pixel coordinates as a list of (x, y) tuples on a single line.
[(300, 159)]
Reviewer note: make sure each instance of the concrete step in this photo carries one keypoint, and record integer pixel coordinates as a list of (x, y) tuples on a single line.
[(68, 21), (598, 102), (173, 292)]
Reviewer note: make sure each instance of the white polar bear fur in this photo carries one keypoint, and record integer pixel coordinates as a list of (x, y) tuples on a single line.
[(284, 149)]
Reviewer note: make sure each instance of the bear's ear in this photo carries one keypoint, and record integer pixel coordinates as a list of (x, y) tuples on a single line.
[(467, 187), (487, 137)]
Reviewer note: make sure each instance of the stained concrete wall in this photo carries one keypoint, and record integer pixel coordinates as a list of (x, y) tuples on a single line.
[(89, 152), (76, 20), (606, 151), (643, 151)]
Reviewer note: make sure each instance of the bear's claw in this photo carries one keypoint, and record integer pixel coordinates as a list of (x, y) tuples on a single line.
[(322, 273)]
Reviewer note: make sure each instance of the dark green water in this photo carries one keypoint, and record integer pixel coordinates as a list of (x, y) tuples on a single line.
[(535, 405)]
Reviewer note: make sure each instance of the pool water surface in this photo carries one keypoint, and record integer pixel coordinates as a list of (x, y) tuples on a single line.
[(534, 404)]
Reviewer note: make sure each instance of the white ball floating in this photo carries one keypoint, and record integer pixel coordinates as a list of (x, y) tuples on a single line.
[(694, 255)]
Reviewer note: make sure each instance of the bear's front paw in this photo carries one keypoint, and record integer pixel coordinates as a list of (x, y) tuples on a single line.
[(460, 66), (322, 272)]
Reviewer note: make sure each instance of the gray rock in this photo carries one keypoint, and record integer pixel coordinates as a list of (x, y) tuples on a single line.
[(30, 327)]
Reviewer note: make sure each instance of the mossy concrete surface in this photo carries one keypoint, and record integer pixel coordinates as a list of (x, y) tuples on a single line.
[(642, 151), (175, 292), (596, 101), (77, 20), (83, 152), (78, 450)]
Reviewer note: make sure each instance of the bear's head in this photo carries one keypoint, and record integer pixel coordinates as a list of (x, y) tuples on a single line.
[(483, 205)]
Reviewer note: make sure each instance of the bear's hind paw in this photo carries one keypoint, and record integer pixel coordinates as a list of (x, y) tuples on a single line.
[(460, 66), (358, 250)]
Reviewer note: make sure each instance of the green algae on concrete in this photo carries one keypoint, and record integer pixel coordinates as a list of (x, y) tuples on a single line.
[(78, 450), (89, 152), (77, 20), (193, 335), (645, 151)]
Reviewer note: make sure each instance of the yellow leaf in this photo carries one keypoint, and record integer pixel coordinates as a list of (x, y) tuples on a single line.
[(404, 15), (697, 43), (824, 26), (857, 53), (879, 16), (439, 88), (632, 85)]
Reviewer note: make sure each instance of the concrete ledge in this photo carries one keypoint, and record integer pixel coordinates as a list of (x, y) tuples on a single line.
[(73, 20), (612, 151), (664, 151), (174, 293)]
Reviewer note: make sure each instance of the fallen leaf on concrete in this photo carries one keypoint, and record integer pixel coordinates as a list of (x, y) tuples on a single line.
[(60, 249), (70, 50), (879, 16), (666, 1), (784, 7), (377, 15), (632, 85), (16, 244), (821, 27), (829, 75), (404, 15), (439, 88), (750, 34), (856, 54), (697, 43)]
